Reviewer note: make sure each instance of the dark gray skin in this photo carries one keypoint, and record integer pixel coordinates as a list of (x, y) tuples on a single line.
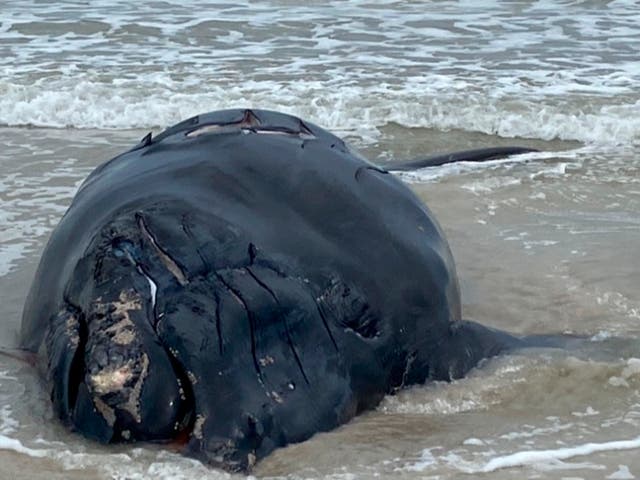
[(243, 281), (477, 155)]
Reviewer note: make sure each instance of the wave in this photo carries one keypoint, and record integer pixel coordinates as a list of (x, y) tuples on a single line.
[(69, 102)]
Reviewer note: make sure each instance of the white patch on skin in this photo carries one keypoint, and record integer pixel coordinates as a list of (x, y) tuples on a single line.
[(275, 396), (72, 331), (124, 337), (236, 298), (128, 300), (106, 411), (125, 377), (197, 427), (207, 129), (133, 403), (268, 360), (112, 380), (153, 289), (123, 331)]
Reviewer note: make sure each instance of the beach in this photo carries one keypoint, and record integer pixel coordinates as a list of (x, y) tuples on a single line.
[(546, 242)]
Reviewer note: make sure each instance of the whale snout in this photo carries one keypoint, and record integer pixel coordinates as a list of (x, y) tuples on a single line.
[(112, 379)]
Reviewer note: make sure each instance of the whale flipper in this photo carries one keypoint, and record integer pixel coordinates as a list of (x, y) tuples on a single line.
[(475, 155)]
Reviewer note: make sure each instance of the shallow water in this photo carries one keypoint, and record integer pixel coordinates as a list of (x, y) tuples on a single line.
[(545, 242), (536, 69)]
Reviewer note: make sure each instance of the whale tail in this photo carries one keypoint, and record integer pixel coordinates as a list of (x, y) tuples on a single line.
[(475, 155)]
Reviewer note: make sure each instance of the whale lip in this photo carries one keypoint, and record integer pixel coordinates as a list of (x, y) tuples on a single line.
[(262, 122), (226, 128), (251, 123)]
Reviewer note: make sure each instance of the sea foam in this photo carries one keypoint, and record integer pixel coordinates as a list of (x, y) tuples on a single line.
[(573, 76), (81, 102)]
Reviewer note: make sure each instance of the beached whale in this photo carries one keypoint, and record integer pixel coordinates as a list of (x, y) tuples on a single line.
[(242, 281)]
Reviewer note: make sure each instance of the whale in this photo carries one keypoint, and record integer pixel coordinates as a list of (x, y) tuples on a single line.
[(243, 281)]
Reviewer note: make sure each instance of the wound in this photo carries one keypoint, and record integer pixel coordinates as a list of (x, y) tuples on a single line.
[(348, 307), (170, 264)]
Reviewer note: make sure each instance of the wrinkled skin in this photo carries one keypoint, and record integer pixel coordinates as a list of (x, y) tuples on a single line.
[(243, 280)]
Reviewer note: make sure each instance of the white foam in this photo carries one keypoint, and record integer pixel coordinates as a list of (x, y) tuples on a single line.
[(482, 74), (444, 406), (89, 103), (427, 459), (32, 203), (589, 412), (478, 391), (630, 372), (138, 464), (530, 431), (601, 336), (618, 382), (8, 424), (619, 302), (9, 254), (537, 457), (8, 443), (474, 441), (623, 473)]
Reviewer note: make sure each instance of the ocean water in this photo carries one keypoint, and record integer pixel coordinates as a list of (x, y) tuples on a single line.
[(544, 242)]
